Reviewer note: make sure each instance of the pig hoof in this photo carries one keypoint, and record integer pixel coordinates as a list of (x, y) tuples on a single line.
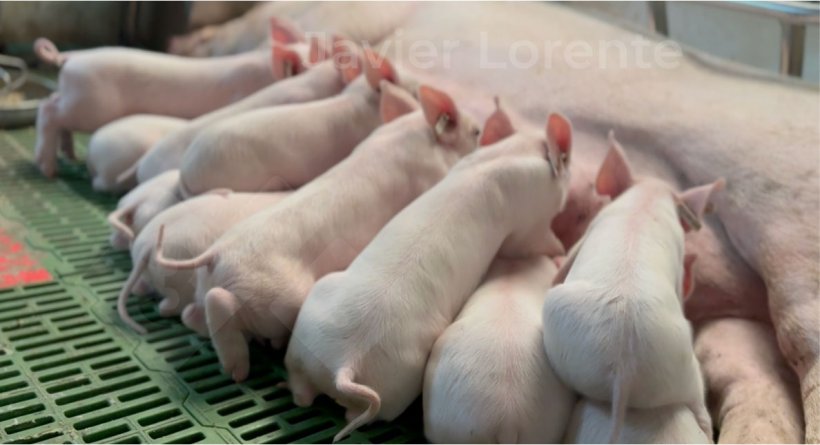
[(352, 414), (119, 242), (47, 169), (168, 307), (303, 398), (98, 184), (240, 373), (277, 343)]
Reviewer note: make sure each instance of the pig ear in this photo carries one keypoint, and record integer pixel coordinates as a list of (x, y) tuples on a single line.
[(497, 127), (346, 59), (395, 102), (439, 110), (688, 274), (286, 62), (615, 176), (284, 31), (559, 134), (378, 68), (697, 202)]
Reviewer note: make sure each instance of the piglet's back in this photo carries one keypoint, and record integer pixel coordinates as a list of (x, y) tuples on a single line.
[(627, 245)]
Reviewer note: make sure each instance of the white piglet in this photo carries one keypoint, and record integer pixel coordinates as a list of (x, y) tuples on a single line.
[(137, 207), (615, 329), (591, 423), (100, 85), (259, 273), (363, 335), (487, 378), (281, 147), (190, 228), (116, 148), (320, 81)]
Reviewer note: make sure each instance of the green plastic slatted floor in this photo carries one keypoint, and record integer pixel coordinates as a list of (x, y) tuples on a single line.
[(71, 372)]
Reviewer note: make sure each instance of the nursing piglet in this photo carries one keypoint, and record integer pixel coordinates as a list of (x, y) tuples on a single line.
[(615, 329), (259, 273), (487, 379), (115, 148), (591, 422), (190, 227), (320, 81), (100, 85), (287, 146), (363, 335), (137, 207)]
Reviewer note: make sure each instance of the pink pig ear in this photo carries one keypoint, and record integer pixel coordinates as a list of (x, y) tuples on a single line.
[(615, 176), (497, 126), (286, 62), (378, 68), (346, 59), (559, 134), (395, 102), (688, 274), (697, 202), (439, 109), (284, 31)]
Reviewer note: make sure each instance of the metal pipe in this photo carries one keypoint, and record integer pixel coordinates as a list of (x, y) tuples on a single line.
[(792, 43), (657, 17)]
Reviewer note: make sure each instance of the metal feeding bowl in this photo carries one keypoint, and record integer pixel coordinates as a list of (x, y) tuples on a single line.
[(21, 93)]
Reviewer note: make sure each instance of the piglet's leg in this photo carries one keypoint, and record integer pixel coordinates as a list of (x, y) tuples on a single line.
[(225, 326), (67, 145), (752, 391), (303, 392), (193, 316), (48, 136)]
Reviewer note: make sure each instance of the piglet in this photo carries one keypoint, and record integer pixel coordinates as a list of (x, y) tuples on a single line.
[(363, 335), (190, 227), (487, 379), (100, 85), (259, 273), (320, 81), (287, 146), (138, 206), (615, 329), (115, 148), (591, 422)]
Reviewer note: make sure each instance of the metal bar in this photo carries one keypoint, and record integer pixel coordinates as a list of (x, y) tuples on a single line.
[(792, 44), (657, 16)]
